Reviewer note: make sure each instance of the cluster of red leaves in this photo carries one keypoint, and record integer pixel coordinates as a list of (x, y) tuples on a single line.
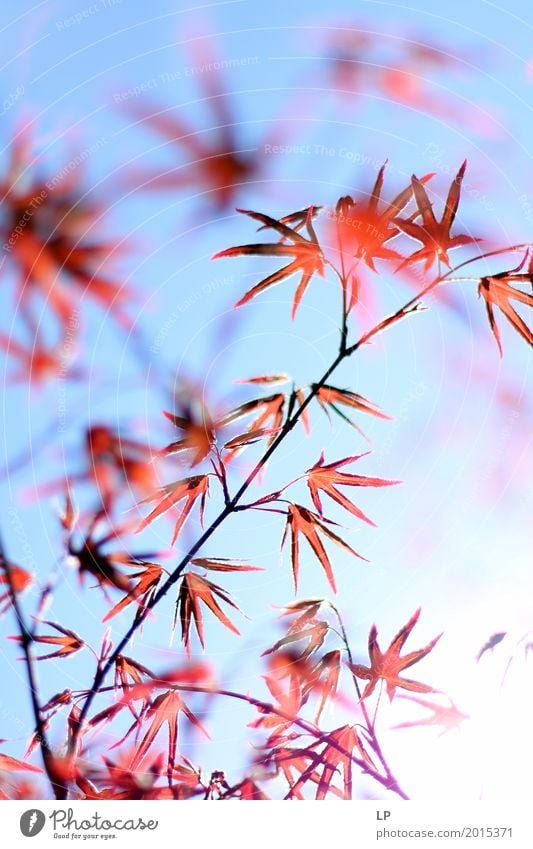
[(46, 232), (303, 668), (363, 231), (216, 161), (401, 70), (298, 669)]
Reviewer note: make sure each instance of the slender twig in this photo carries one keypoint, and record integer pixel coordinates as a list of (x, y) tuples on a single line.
[(370, 724), (26, 641)]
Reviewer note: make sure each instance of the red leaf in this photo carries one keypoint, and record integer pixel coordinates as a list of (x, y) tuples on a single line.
[(364, 229), (305, 254), (194, 590), (189, 489), (386, 666), (224, 564), (329, 396), (68, 643), (165, 708), (300, 520), (498, 291), (326, 477), (434, 235), (142, 593), (9, 764)]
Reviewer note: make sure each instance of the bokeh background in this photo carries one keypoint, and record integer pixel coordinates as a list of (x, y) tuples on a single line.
[(313, 99)]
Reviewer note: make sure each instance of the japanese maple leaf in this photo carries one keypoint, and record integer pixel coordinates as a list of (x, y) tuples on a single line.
[(305, 629), (497, 291), (268, 418), (285, 677), (300, 520), (129, 673), (325, 478), (113, 463), (46, 229), (198, 436), (305, 255), (165, 708), (386, 666), (289, 760), (9, 764), (67, 644), (12, 576), (90, 557), (143, 591), (364, 229), (334, 760), (37, 363), (195, 589), (329, 397), (188, 490), (434, 235)]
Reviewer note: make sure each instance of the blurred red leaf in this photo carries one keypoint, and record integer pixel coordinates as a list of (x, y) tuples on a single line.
[(9, 764)]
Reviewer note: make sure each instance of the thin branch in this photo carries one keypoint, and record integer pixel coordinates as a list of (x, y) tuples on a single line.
[(26, 640), (229, 508), (266, 707), (370, 724)]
